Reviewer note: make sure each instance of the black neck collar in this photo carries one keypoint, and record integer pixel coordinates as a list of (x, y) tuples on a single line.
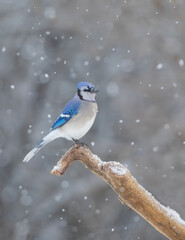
[(79, 94)]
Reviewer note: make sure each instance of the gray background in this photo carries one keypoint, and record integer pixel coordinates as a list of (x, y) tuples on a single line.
[(133, 51)]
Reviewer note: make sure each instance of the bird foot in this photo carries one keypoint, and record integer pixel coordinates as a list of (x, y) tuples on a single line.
[(77, 142)]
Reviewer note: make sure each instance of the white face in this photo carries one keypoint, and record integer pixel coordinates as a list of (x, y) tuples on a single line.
[(87, 94)]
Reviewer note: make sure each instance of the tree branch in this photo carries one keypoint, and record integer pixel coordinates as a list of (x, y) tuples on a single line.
[(164, 219)]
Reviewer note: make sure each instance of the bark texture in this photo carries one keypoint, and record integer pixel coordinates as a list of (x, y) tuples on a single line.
[(130, 192)]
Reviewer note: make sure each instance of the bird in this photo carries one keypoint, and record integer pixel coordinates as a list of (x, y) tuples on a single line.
[(75, 120)]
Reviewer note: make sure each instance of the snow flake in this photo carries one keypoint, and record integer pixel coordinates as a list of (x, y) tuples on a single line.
[(97, 211), (46, 75), (29, 131), (155, 149), (97, 58), (112, 89), (166, 126), (58, 59), (9, 111), (44, 78), (25, 199), (159, 66), (181, 62), (86, 63), (50, 13), (64, 184), (3, 49)]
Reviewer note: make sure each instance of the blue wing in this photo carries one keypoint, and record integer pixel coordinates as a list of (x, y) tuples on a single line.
[(68, 112)]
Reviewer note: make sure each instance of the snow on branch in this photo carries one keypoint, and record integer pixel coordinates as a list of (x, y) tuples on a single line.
[(130, 192)]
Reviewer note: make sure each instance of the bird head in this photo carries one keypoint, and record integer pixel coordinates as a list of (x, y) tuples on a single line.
[(86, 91)]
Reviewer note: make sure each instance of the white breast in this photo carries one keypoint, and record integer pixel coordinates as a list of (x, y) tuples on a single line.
[(80, 124)]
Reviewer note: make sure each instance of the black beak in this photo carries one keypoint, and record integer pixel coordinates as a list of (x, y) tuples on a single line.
[(94, 91)]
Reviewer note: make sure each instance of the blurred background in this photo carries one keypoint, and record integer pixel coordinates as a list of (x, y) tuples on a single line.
[(134, 52)]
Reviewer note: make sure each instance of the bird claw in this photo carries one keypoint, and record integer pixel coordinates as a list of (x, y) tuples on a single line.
[(77, 142)]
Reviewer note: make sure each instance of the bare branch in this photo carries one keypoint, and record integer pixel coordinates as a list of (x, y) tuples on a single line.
[(164, 219)]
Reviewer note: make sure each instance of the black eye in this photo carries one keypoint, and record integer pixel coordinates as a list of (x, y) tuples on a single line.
[(88, 90)]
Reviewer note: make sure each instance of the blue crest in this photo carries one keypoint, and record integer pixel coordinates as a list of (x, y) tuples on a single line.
[(85, 84)]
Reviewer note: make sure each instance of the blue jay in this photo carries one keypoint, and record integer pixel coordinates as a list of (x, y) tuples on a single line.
[(75, 120)]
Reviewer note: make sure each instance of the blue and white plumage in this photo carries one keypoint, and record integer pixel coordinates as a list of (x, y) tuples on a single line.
[(75, 120)]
